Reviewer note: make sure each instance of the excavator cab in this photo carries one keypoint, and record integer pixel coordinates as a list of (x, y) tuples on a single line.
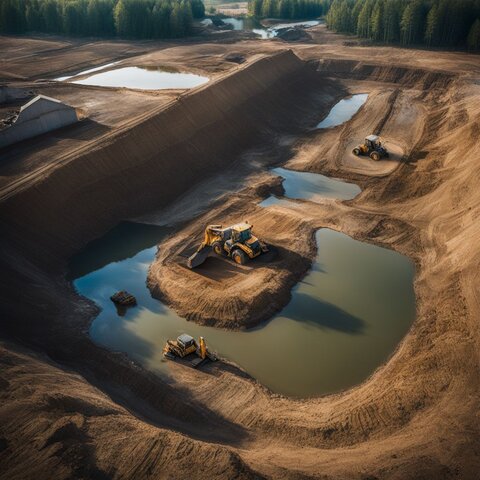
[(372, 147), (186, 343), (187, 348), (242, 234)]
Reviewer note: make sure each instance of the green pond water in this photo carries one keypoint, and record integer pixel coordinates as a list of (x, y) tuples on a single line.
[(344, 319)]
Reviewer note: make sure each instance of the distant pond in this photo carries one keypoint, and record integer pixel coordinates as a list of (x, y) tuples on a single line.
[(142, 78)]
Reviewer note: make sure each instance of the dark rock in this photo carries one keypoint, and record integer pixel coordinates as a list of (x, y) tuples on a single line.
[(292, 34), (234, 57)]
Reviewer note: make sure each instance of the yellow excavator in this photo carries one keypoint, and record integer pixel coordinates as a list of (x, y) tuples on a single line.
[(236, 242)]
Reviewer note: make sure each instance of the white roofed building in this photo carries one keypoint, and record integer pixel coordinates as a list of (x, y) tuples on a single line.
[(40, 115)]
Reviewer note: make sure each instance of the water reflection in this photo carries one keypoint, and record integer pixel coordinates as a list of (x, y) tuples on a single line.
[(144, 78), (310, 186), (343, 321), (84, 72), (344, 110)]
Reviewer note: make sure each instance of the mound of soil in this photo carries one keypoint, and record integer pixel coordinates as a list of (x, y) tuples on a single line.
[(293, 34), (222, 293)]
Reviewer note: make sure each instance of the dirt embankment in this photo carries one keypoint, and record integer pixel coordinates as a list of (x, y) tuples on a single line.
[(157, 158), (224, 295), (79, 432), (221, 293), (406, 76)]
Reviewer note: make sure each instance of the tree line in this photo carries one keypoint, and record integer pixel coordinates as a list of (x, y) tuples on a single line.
[(126, 18), (445, 23), (290, 9)]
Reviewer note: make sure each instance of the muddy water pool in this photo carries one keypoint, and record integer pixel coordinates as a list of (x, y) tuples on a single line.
[(310, 186), (85, 72), (344, 319), (143, 78), (343, 111)]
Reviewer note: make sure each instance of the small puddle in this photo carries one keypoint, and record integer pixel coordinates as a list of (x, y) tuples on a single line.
[(310, 186), (344, 320), (142, 78), (343, 111)]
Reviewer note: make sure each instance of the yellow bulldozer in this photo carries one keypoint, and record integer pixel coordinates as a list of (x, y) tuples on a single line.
[(236, 242), (185, 347)]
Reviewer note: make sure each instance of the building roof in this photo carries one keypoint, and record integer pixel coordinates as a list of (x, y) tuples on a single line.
[(37, 98)]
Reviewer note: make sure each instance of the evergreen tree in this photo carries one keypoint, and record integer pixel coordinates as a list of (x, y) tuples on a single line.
[(406, 25), (255, 8), (177, 26), (473, 39), (51, 16), (266, 7), (73, 16), (377, 21), (363, 23), (339, 16), (33, 17), (357, 8), (433, 26), (11, 17), (452, 23), (161, 20), (413, 22), (187, 17), (434, 22), (122, 21), (391, 21), (198, 8)]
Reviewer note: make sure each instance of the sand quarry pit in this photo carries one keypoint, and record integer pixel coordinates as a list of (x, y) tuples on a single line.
[(72, 408)]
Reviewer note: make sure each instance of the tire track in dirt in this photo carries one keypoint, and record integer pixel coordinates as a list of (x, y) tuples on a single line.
[(391, 104)]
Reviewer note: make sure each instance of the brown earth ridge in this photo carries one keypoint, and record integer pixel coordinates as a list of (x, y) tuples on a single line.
[(72, 409)]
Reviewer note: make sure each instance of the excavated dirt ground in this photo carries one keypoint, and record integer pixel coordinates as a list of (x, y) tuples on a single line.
[(71, 409)]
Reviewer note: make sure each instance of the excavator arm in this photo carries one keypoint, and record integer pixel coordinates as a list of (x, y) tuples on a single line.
[(212, 233)]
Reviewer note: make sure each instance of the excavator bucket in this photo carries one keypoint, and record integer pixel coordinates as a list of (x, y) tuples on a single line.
[(199, 256)]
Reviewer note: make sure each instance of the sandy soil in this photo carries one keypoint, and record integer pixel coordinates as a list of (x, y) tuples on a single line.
[(71, 409)]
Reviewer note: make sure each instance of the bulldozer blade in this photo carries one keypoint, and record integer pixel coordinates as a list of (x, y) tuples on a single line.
[(198, 257)]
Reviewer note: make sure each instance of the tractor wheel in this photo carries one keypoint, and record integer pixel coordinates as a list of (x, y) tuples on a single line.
[(239, 257), (375, 156), (356, 151), (218, 248)]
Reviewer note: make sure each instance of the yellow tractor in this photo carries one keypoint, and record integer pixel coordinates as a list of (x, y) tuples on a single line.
[(372, 147), (185, 346), (236, 242)]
